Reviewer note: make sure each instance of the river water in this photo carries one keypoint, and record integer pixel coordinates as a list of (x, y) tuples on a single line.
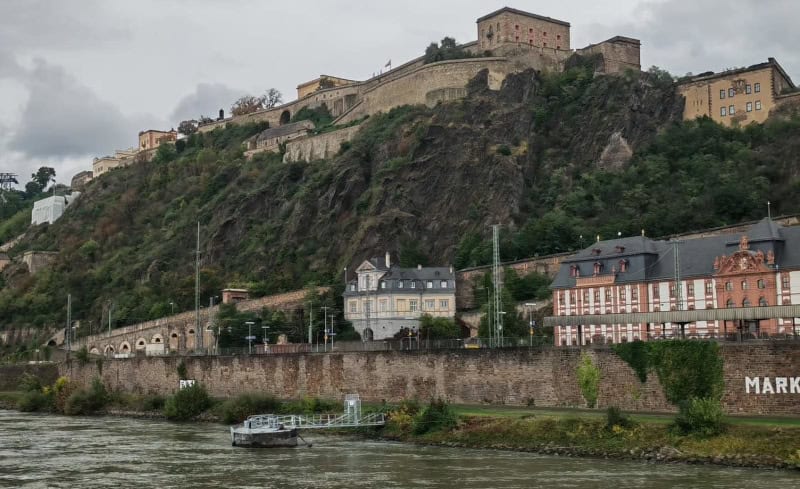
[(38, 451)]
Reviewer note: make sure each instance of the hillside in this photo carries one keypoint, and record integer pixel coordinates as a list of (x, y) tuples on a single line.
[(550, 158)]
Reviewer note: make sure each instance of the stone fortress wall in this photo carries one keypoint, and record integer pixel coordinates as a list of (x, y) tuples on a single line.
[(544, 377)]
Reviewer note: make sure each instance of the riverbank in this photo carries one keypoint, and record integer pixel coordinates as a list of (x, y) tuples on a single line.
[(748, 442)]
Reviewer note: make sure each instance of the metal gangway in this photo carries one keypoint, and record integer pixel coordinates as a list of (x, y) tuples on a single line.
[(352, 418)]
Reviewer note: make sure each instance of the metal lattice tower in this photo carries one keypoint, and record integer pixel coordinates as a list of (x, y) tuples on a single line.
[(497, 332), (8, 180)]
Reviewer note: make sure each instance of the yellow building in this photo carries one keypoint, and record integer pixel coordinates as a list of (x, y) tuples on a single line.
[(735, 97), (121, 158), (384, 299), (152, 138), (321, 83)]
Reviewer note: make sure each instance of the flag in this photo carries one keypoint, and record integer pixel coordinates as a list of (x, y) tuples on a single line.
[(388, 64)]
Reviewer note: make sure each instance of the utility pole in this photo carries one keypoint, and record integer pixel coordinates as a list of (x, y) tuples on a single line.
[(498, 285), (110, 308), (325, 322), (210, 317), (69, 323), (310, 319), (197, 288)]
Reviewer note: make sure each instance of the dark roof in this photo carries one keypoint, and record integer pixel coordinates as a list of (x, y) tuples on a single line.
[(284, 130), (651, 260), (379, 262), (424, 273), (522, 12), (710, 75)]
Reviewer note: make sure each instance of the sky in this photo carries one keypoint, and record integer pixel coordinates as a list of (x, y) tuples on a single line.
[(81, 78)]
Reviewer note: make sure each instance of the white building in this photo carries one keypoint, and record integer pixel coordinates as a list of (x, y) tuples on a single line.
[(51, 208)]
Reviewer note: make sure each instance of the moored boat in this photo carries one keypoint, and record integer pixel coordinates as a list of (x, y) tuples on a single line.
[(264, 431)]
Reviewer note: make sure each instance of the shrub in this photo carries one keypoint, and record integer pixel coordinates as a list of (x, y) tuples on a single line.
[(29, 383), (504, 150), (310, 405), (153, 403), (82, 355), (187, 403), (60, 392), (33, 401), (437, 416), (616, 417), (700, 416), (182, 373), (87, 401), (238, 409), (588, 380)]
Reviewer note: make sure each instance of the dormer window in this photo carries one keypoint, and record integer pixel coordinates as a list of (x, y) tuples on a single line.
[(619, 249), (383, 284), (623, 266), (413, 284), (400, 284), (429, 284), (598, 268), (573, 271), (597, 251)]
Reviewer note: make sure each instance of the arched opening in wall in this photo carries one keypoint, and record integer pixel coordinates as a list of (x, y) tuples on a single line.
[(141, 344), (191, 331), (108, 349), (51, 343), (94, 351), (286, 116), (125, 347), (368, 335), (157, 339)]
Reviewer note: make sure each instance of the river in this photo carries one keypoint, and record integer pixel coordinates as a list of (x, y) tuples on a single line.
[(39, 451)]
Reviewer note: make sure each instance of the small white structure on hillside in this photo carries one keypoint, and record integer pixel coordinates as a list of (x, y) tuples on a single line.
[(51, 208)]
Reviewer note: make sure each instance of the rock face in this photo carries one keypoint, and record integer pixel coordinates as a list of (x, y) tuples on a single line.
[(616, 154)]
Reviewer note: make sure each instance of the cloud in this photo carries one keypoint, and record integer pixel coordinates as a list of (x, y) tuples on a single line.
[(64, 118), (206, 99)]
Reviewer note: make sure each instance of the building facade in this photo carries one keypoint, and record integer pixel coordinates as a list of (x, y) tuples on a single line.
[(272, 138), (152, 138), (735, 97), (322, 83), (121, 158), (49, 209), (512, 26), (757, 268), (384, 299), (80, 180)]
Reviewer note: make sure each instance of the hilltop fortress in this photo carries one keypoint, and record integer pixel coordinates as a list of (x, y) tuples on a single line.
[(509, 41)]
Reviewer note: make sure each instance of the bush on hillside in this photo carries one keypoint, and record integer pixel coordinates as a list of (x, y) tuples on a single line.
[(239, 408), (700, 416), (87, 401), (616, 417), (437, 416), (34, 401)]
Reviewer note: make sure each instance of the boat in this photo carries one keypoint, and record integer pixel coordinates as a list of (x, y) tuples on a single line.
[(264, 431)]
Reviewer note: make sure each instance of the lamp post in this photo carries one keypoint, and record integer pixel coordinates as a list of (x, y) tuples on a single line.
[(249, 336), (264, 337), (172, 306), (529, 306)]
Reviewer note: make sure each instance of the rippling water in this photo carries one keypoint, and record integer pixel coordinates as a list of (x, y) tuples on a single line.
[(39, 451)]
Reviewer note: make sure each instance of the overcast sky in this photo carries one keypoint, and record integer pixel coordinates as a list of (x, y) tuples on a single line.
[(80, 78)]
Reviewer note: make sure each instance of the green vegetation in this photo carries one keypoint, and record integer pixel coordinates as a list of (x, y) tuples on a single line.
[(320, 116), (181, 369), (588, 379), (409, 418), (239, 408), (87, 401), (447, 49), (187, 403), (438, 328)]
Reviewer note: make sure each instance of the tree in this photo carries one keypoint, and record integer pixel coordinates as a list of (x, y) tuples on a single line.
[(273, 98), (41, 179), (438, 328), (247, 105), (187, 127)]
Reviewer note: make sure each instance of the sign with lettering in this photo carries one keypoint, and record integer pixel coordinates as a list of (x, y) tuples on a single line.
[(772, 385), (186, 383)]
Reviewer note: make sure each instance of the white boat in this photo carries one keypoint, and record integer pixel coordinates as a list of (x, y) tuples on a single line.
[(264, 431)]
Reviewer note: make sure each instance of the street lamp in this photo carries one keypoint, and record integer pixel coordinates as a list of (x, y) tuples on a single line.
[(264, 337), (172, 305), (249, 336), (529, 306)]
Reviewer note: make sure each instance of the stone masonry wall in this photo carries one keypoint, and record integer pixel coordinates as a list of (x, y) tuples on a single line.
[(320, 146), (10, 375), (545, 377)]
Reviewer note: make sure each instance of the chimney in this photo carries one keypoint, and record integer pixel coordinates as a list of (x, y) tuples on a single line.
[(388, 260)]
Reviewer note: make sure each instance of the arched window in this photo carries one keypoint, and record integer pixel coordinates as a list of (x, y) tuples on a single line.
[(598, 268), (746, 302), (762, 302), (729, 303), (728, 286), (761, 283), (744, 284)]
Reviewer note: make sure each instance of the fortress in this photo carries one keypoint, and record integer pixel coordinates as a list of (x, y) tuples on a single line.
[(509, 41)]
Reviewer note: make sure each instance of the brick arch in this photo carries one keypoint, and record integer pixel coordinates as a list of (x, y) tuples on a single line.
[(285, 118), (108, 349), (191, 339), (174, 340), (94, 350), (157, 339), (124, 347), (140, 344)]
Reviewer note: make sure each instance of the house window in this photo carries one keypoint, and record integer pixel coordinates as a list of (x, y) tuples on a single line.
[(545, 44), (383, 284), (430, 304), (729, 303), (728, 286), (671, 291), (443, 284), (723, 111), (762, 302), (785, 282), (596, 296), (412, 305), (758, 105), (761, 283), (721, 94), (401, 305), (572, 299), (530, 30), (757, 87), (516, 27), (400, 284), (352, 287), (622, 294), (623, 266), (429, 284), (749, 107), (635, 293), (655, 291), (598, 268), (444, 304), (731, 110), (690, 288), (748, 89), (731, 93), (353, 306), (558, 36), (413, 284), (744, 284), (516, 38), (585, 297), (544, 34), (746, 302), (709, 288), (608, 295), (382, 305)]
